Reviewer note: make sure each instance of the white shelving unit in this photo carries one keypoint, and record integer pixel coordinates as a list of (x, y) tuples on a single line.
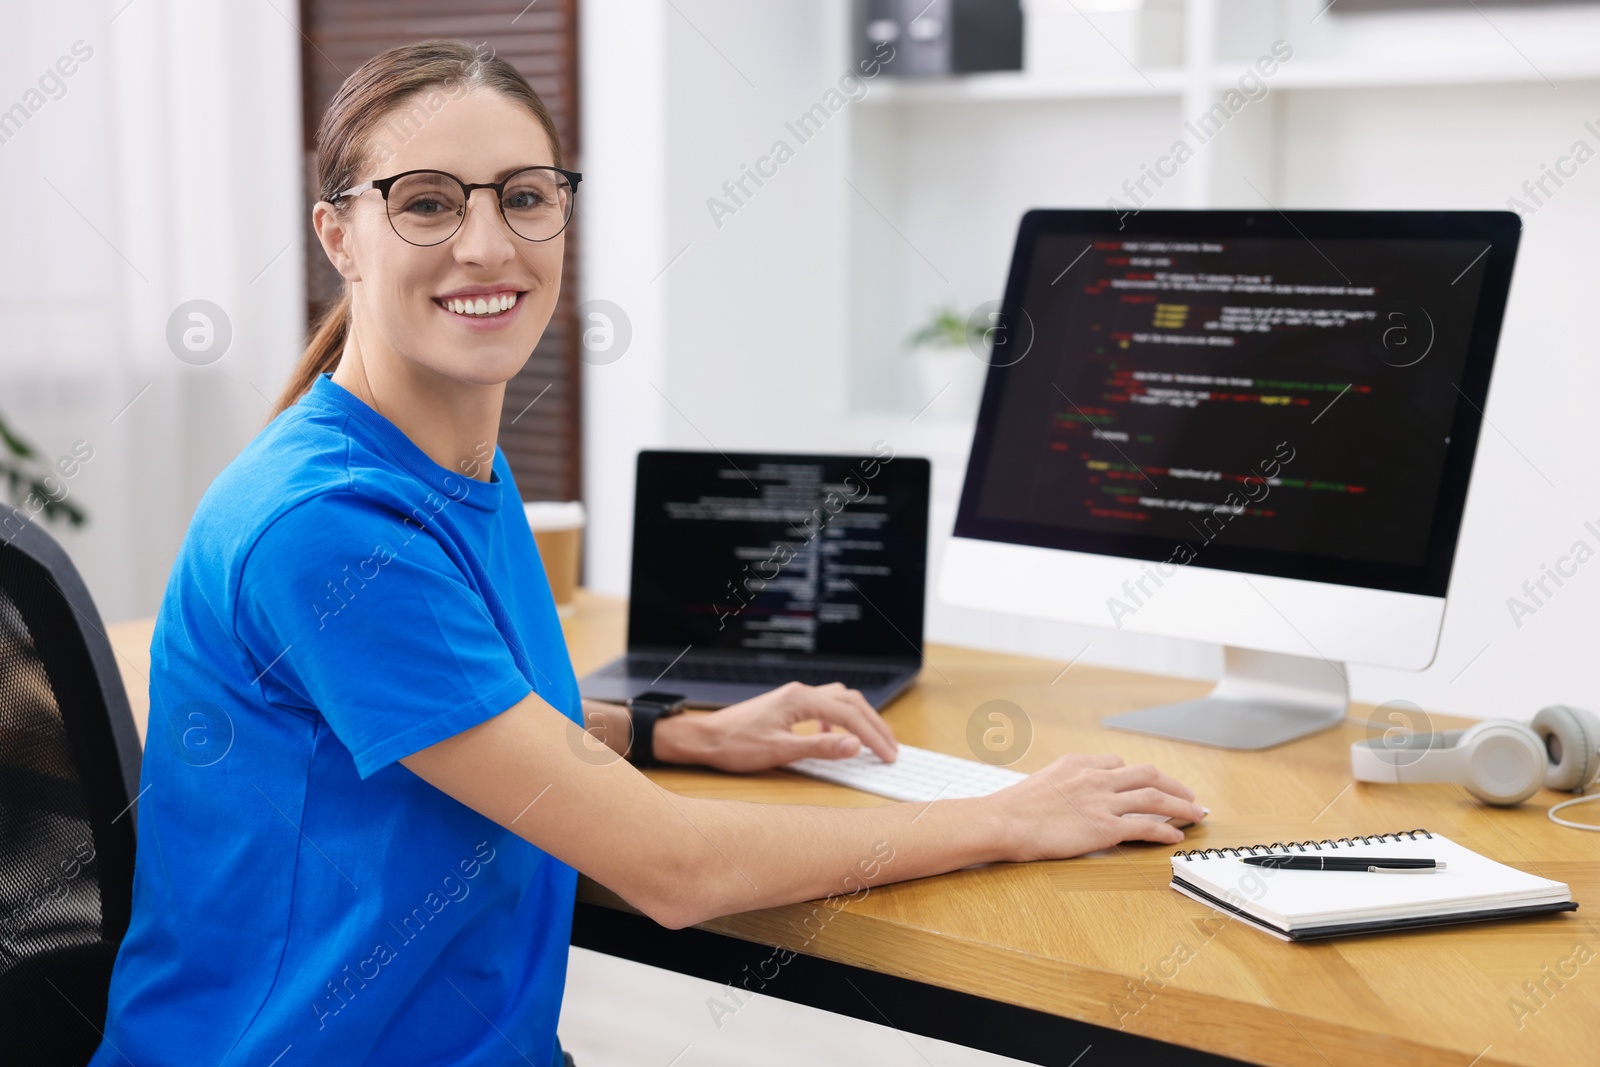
[(1014, 116)]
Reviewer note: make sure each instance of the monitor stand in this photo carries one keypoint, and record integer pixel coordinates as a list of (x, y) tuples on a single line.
[(1263, 699)]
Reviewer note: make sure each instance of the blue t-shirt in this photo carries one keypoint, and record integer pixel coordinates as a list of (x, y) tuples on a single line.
[(341, 601)]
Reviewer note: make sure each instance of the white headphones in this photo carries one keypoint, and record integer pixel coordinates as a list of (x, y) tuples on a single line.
[(1499, 761)]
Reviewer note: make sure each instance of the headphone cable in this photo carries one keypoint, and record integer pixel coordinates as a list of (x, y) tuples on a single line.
[(1568, 804)]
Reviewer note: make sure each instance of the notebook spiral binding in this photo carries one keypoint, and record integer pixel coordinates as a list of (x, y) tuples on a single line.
[(1283, 847)]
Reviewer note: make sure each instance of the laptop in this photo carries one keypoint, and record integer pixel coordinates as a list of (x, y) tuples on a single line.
[(751, 570)]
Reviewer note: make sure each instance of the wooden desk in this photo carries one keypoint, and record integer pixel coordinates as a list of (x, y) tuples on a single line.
[(1037, 961)]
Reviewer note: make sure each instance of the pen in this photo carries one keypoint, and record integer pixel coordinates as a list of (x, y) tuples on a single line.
[(1377, 864)]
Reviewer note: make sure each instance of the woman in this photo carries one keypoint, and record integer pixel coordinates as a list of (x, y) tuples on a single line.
[(367, 792)]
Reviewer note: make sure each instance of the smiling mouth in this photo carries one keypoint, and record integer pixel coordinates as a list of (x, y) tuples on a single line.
[(480, 307)]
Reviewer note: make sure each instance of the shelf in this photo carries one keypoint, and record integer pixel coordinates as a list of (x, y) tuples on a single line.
[(1328, 74), (1019, 86), (1315, 75)]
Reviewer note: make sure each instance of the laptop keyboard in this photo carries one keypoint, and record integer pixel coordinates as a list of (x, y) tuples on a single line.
[(707, 669)]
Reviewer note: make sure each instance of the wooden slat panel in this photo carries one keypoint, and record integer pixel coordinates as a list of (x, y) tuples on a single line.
[(543, 442)]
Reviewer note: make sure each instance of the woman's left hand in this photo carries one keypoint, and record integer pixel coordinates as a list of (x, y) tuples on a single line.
[(758, 733)]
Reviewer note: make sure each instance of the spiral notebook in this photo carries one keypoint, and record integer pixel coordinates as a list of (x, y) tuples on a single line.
[(1308, 905)]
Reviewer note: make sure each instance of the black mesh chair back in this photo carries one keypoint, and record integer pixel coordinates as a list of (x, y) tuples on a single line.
[(69, 772)]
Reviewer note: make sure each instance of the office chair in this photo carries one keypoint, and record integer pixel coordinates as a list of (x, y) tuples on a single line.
[(69, 771)]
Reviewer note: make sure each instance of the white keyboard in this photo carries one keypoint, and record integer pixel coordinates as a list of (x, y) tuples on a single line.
[(921, 774), (918, 774)]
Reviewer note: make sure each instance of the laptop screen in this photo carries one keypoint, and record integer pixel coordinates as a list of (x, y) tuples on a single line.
[(760, 553)]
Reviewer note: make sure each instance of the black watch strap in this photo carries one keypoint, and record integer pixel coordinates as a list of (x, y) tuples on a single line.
[(645, 710)]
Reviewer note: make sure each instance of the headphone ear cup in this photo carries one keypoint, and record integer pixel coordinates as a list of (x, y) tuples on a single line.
[(1505, 761), (1571, 738)]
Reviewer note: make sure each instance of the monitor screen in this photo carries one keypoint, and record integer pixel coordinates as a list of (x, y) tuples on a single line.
[(1296, 395), (756, 553)]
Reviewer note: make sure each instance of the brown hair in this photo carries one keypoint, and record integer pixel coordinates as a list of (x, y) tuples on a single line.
[(378, 88)]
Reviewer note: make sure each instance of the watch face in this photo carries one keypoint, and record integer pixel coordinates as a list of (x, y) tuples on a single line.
[(665, 700)]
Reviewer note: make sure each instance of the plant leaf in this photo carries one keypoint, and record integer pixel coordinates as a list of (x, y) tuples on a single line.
[(18, 446)]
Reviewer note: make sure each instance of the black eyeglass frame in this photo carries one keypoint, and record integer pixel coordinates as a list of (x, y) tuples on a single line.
[(383, 185)]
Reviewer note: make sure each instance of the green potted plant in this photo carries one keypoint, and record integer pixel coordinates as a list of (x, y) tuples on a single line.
[(32, 484), (950, 350)]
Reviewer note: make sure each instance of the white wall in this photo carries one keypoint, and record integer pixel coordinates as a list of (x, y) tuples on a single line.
[(623, 202), (757, 303), (782, 327), (738, 329)]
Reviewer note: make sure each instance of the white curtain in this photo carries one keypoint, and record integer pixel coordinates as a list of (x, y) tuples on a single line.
[(150, 155)]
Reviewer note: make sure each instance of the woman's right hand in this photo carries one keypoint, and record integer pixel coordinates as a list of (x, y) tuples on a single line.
[(1081, 803)]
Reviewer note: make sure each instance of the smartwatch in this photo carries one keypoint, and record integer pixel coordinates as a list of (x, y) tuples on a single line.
[(644, 710)]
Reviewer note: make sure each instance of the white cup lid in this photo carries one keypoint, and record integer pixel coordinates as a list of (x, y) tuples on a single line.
[(544, 515)]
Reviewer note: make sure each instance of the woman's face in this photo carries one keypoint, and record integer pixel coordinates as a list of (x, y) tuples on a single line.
[(403, 293)]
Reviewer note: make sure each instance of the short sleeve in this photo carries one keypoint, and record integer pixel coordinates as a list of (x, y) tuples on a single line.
[(370, 624)]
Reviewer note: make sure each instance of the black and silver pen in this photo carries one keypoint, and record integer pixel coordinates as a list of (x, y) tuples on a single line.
[(1376, 864)]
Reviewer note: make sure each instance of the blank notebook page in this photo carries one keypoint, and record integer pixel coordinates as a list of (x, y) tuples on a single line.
[(1293, 899)]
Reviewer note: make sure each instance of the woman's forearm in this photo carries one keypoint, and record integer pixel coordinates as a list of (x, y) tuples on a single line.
[(682, 860), (763, 855), (750, 855)]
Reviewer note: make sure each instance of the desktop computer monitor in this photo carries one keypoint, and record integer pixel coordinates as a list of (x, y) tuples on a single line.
[(1254, 428)]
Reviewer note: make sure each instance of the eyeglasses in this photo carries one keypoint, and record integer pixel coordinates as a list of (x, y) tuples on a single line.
[(427, 207)]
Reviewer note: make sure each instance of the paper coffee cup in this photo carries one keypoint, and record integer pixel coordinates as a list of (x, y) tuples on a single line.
[(558, 531)]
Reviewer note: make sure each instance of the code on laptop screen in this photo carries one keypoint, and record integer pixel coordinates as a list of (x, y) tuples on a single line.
[(780, 553)]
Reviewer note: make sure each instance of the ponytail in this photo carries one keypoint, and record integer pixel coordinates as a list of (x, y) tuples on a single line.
[(321, 354)]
